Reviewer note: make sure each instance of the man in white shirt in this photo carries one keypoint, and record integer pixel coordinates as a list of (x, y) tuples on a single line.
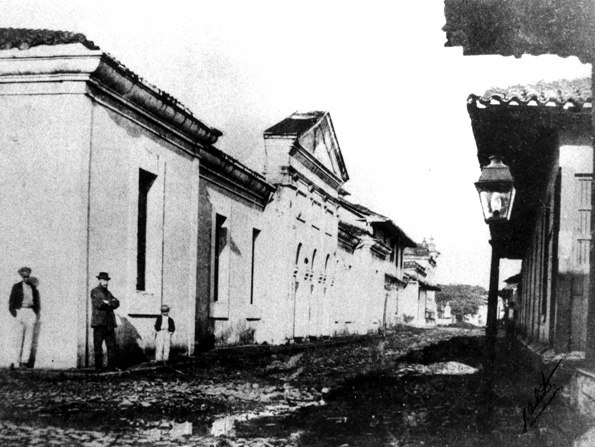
[(23, 305)]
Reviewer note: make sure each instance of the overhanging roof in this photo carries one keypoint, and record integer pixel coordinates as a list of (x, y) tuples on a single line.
[(514, 279), (573, 95), (379, 220), (394, 280), (428, 286), (522, 125)]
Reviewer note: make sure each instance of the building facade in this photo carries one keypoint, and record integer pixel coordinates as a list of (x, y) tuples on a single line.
[(305, 164), (369, 270), (232, 227), (544, 131), (103, 172), (100, 172), (418, 303)]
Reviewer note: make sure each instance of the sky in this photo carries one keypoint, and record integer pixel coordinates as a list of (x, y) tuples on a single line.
[(396, 95)]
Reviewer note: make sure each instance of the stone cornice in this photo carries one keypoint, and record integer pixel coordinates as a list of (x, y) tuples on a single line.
[(310, 162), (295, 176), (225, 170), (76, 62), (380, 249)]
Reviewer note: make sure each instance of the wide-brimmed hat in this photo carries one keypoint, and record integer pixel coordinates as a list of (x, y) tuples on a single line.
[(103, 275), (165, 308)]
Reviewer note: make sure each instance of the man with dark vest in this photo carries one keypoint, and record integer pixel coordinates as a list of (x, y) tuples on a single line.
[(103, 322), (23, 305)]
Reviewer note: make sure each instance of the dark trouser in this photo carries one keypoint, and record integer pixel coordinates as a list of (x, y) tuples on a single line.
[(101, 333)]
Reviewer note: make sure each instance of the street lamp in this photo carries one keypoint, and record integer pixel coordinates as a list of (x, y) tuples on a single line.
[(496, 194), (496, 191)]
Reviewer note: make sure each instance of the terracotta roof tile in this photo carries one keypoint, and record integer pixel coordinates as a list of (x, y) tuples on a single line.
[(557, 94), (24, 39)]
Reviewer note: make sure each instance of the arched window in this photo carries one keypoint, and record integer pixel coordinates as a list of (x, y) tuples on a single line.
[(313, 260)]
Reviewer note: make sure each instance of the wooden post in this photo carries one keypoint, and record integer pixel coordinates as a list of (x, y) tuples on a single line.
[(590, 345), (492, 319), (487, 417)]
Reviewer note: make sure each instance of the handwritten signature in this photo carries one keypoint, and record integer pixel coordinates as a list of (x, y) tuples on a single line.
[(544, 394)]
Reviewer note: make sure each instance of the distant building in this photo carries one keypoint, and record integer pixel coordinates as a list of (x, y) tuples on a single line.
[(445, 316), (480, 318), (369, 270), (304, 162), (417, 303)]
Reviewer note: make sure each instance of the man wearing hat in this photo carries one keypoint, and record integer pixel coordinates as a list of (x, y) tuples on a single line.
[(164, 328), (103, 322), (23, 305)]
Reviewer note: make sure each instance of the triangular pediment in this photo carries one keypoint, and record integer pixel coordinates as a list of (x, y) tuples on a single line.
[(321, 142)]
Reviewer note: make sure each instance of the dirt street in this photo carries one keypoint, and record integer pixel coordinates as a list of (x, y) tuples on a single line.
[(412, 387)]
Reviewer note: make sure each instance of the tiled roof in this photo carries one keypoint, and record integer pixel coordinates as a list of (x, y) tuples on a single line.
[(419, 250), (354, 230), (296, 124), (378, 219), (514, 279), (567, 94), (24, 39), (361, 209), (429, 286)]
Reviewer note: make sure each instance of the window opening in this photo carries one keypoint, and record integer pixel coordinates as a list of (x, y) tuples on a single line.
[(255, 234), (145, 182), (220, 243)]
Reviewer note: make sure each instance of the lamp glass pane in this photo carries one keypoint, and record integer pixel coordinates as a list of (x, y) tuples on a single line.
[(495, 204)]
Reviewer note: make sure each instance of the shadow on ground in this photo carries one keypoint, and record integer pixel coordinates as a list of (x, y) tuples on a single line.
[(401, 406)]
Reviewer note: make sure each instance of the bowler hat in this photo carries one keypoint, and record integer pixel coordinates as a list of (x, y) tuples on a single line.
[(165, 308), (103, 275)]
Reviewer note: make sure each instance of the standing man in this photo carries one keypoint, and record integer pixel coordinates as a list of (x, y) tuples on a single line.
[(23, 305), (103, 322), (164, 329)]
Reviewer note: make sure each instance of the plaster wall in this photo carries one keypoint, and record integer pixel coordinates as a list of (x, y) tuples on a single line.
[(409, 304), (347, 297), (375, 301), (120, 149), (237, 311), (276, 157), (44, 165), (301, 245)]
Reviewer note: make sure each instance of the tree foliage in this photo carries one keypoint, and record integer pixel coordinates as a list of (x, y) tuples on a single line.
[(463, 298)]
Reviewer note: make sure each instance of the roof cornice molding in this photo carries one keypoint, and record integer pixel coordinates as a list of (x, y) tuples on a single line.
[(222, 168), (296, 176), (77, 63), (310, 162)]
